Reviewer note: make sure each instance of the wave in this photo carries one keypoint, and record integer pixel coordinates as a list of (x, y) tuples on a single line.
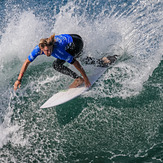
[(135, 26)]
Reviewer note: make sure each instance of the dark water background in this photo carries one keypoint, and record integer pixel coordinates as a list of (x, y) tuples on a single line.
[(119, 120)]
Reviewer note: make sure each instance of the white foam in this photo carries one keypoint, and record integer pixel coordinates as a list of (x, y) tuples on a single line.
[(21, 35), (11, 132), (139, 37)]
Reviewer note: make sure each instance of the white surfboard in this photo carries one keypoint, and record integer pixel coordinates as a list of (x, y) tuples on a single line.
[(69, 94)]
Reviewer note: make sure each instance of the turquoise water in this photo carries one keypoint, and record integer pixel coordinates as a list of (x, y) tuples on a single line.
[(119, 120)]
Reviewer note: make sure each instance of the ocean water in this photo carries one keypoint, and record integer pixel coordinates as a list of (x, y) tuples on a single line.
[(119, 120)]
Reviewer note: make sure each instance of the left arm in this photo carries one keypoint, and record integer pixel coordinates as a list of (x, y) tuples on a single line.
[(81, 70)]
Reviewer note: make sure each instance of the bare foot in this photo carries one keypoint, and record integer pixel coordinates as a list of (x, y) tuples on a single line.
[(109, 59), (77, 82), (105, 60)]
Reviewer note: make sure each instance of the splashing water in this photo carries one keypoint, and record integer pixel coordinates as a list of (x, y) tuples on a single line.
[(120, 118)]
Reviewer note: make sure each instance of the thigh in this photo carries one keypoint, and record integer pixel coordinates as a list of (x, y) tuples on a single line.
[(57, 64), (78, 46)]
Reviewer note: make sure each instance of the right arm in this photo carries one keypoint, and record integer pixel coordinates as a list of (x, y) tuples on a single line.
[(81, 70), (23, 69)]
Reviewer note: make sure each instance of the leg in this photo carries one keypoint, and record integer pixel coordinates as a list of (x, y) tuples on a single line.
[(77, 47), (89, 60), (58, 66), (93, 61), (103, 62)]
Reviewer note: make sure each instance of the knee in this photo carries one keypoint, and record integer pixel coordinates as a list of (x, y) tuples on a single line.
[(55, 65)]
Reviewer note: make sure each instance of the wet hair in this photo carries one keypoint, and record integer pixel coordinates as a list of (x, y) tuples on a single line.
[(47, 41)]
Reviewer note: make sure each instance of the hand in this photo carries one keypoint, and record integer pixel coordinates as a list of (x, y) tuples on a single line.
[(87, 82), (81, 70), (17, 83)]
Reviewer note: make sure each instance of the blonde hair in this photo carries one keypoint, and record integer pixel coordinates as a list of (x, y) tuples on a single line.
[(47, 41)]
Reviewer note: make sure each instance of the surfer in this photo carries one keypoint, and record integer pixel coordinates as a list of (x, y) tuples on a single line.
[(66, 48)]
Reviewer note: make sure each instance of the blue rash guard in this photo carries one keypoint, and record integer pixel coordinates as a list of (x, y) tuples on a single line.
[(59, 51)]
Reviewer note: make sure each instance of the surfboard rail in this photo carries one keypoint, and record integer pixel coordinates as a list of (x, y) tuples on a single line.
[(69, 94)]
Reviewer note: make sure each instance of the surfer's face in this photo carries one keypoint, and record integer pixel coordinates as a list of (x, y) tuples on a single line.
[(47, 50)]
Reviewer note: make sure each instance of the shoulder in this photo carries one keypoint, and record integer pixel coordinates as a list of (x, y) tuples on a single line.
[(37, 48), (36, 51), (63, 38)]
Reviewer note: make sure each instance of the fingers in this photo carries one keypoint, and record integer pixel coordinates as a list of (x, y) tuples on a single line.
[(87, 84), (15, 88), (16, 85)]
